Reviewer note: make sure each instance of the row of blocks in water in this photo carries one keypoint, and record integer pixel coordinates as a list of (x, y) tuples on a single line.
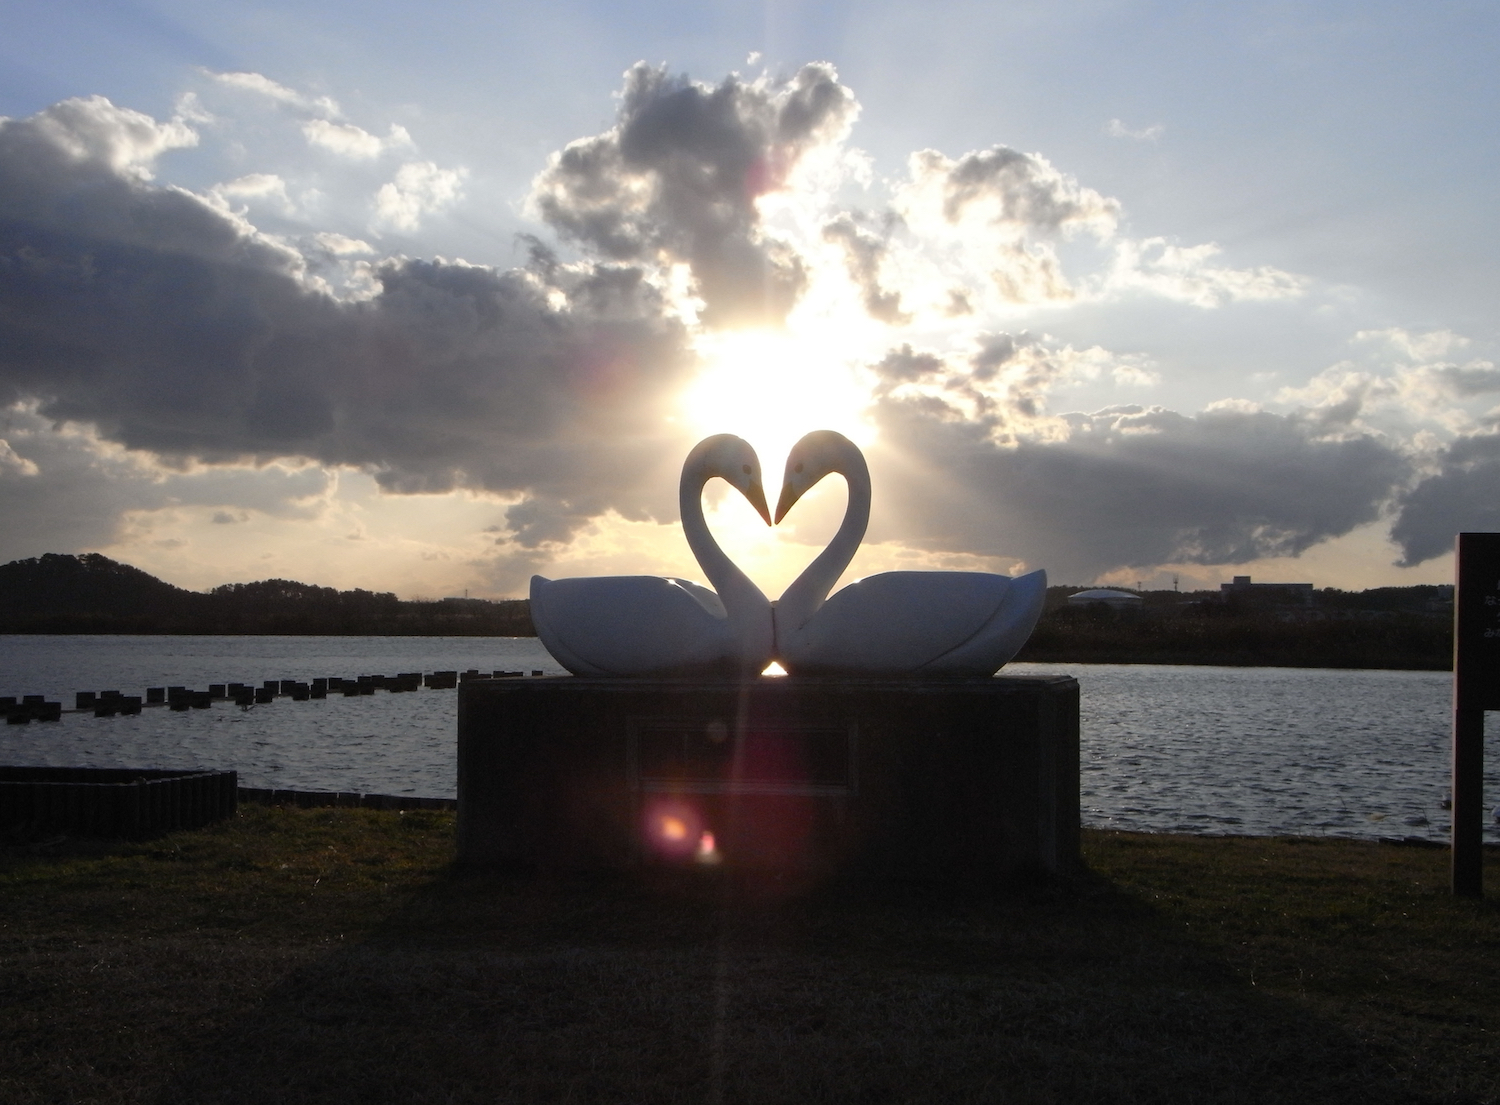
[(35, 707), (32, 707), (107, 703)]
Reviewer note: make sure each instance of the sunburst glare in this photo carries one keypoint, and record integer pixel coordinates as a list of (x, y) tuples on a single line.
[(771, 388)]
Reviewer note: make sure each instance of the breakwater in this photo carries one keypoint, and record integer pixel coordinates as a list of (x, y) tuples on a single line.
[(32, 707)]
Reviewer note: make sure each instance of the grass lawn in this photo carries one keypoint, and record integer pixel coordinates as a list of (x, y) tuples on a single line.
[(330, 955)]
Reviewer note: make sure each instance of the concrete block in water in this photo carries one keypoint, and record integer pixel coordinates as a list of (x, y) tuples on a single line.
[(970, 780)]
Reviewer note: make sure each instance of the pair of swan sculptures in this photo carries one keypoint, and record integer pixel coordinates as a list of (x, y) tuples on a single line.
[(895, 624)]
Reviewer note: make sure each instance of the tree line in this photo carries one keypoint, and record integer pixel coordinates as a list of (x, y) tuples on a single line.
[(58, 593), (1389, 627)]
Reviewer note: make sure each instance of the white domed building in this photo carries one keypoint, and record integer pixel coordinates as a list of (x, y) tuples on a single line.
[(1115, 600)]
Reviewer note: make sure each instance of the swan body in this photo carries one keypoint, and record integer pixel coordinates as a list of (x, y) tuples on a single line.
[(660, 625), (924, 624)]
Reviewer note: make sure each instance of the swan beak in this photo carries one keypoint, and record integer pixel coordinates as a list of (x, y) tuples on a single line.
[(757, 497), (788, 499)]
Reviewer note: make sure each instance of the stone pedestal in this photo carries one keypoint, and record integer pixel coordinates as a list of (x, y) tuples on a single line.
[(973, 780)]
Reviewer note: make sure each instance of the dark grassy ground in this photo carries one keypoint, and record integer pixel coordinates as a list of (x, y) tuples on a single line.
[(330, 956)]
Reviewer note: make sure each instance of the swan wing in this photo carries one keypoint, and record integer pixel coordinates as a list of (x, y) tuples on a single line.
[(895, 623), (629, 625), (1000, 638), (702, 595)]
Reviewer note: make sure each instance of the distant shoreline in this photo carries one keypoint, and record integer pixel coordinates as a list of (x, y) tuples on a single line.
[(1391, 629), (1029, 655)]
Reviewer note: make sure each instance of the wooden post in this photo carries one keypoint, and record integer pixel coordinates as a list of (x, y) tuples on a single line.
[(1476, 688)]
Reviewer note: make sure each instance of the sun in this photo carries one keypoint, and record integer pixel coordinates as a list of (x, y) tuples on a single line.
[(771, 387)]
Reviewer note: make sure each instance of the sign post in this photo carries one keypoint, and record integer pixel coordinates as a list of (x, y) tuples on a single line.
[(1476, 688)]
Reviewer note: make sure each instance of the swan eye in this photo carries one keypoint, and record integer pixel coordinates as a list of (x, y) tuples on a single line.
[(798, 469), (745, 468)]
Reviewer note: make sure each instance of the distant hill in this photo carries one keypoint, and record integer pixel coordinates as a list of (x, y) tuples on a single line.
[(57, 593), (1388, 627)]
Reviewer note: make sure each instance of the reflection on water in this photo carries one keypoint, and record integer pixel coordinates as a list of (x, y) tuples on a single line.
[(1183, 749), (1268, 750)]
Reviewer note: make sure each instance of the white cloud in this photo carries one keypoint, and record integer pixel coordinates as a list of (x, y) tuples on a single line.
[(341, 245), (262, 85), (420, 188), (1401, 397), (94, 130), (14, 463), (257, 186), (348, 140), (1187, 274), (189, 109), (1116, 129), (1414, 346), (997, 213)]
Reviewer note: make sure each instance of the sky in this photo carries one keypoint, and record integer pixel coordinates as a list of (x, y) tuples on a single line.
[(430, 298)]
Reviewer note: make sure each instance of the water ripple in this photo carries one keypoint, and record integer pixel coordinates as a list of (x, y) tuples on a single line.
[(1182, 749)]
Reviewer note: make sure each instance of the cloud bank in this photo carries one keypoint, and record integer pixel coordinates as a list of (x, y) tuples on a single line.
[(172, 327), (968, 459), (158, 347)]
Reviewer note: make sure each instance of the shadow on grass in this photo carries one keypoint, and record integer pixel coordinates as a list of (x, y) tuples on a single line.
[(493, 990)]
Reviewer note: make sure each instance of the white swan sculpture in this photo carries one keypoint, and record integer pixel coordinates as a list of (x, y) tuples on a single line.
[(658, 625), (923, 624)]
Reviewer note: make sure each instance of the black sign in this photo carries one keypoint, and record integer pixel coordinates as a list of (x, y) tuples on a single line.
[(1476, 629)]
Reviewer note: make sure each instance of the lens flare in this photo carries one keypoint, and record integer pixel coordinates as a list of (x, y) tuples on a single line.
[(673, 828)]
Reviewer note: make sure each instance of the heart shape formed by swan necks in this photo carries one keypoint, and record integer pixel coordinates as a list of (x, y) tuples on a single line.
[(895, 624)]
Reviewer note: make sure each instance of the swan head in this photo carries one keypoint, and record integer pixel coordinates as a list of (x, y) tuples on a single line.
[(812, 458), (733, 460)]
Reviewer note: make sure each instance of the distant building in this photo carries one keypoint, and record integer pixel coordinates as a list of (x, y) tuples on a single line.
[(1109, 597), (1274, 592)]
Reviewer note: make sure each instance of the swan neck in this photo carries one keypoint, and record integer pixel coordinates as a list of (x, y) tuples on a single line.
[(808, 592), (739, 595)]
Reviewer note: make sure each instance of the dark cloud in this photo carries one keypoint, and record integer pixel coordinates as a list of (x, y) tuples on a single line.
[(904, 365), (863, 254), (174, 328), (1122, 487), (1014, 188), (1003, 383), (676, 180), (60, 490), (958, 304), (1466, 381), (1463, 496)]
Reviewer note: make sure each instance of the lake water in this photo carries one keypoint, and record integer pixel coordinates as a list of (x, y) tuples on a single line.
[(1180, 749)]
